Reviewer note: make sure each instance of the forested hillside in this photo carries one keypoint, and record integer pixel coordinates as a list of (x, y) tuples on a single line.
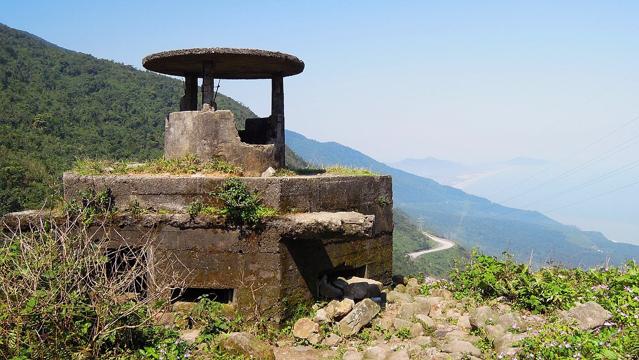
[(57, 105)]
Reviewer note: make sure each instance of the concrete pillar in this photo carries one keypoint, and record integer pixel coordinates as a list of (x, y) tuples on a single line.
[(277, 118), (189, 100), (207, 84)]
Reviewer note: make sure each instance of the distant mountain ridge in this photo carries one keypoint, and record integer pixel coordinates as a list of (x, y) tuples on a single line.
[(474, 221)]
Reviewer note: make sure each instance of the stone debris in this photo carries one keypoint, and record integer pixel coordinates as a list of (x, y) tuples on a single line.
[(245, 344), (587, 316), (415, 326), (361, 315), (304, 328), (268, 172), (461, 347), (332, 340), (335, 310)]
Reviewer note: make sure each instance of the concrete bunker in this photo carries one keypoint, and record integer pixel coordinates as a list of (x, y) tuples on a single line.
[(326, 228)]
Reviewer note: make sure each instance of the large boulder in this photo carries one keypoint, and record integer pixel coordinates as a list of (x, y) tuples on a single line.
[(587, 316), (360, 316), (247, 345)]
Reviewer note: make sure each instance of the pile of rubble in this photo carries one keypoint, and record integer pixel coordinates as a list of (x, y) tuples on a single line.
[(402, 323), (415, 326)]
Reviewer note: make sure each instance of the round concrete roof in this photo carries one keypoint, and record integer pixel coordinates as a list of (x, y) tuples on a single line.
[(228, 63)]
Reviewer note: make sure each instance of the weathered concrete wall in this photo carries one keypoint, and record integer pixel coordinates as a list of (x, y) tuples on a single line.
[(281, 261), (212, 134), (370, 195)]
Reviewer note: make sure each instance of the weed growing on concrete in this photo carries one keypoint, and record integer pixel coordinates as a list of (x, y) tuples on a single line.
[(188, 164), (91, 205), (242, 206), (348, 171)]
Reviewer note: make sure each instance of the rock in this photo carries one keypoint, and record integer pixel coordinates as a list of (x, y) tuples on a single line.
[(328, 290), (336, 310), (425, 320), (416, 330), (400, 288), (587, 316), (482, 316), (314, 338), (398, 279), (189, 336), (352, 355), (385, 322), (269, 172), (401, 354), (442, 293), (375, 353), (321, 317), (394, 296), (461, 347), (463, 322), (304, 328), (504, 344), (361, 315), (361, 291), (332, 340), (412, 282), (493, 332), (245, 344), (357, 280), (423, 341), (510, 320), (399, 324), (408, 310)]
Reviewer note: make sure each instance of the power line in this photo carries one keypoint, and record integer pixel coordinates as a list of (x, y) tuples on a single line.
[(595, 196), (587, 183), (621, 147), (580, 150)]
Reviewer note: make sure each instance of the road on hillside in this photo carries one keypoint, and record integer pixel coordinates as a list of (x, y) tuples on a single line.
[(442, 244)]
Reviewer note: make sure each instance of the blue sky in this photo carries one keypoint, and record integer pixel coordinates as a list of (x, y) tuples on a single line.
[(470, 81)]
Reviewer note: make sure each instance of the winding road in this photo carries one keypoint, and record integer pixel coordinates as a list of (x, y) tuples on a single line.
[(442, 244)]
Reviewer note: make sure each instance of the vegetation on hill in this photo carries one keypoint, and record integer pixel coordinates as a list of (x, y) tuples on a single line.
[(472, 221), (58, 105), (552, 289), (407, 238)]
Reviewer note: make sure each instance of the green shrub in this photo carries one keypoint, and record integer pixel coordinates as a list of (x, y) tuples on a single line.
[(242, 206)]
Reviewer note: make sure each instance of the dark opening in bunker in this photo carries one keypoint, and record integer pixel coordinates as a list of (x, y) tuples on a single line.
[(126, 261), (257, 131), (195, 294)]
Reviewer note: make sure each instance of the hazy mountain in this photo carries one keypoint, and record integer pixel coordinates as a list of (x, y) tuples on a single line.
[(474, 221)]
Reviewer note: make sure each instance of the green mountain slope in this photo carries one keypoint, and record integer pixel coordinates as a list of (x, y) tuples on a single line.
[(407, 238), (58, 105), (474, 221)]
